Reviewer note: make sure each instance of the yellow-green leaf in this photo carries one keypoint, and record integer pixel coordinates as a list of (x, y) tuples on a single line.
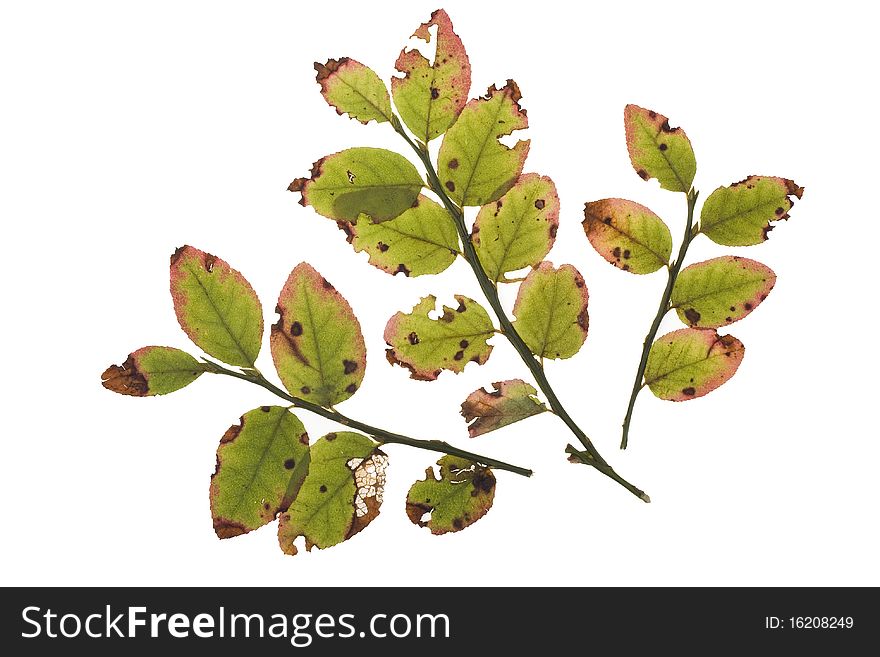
[(216, 307), (519, 229), (509, 402), (659, 151), (741, 215), (317, 344), (720, 291), (428, 346), (431, 95), (474, 167), (551, 311), (354, 89), (152, 371), (261, 463), (422, 240), (628, 235), (341, 494), (357, 181), (462, 495), (689, 363)]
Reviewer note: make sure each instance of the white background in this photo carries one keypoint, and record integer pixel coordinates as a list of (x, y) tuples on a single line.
[(129, 129)]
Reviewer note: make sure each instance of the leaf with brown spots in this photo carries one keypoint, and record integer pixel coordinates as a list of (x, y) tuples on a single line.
[(462, 495), (658, 151), (428, 346), (341, 494), (551, 311), (689, 363), (261, 464), (517, 230), (720, 291), (628, 235), (509, 402), (474, 167), (742, 214), (152, 371), (431, 95), (354, 89), (317, 344)]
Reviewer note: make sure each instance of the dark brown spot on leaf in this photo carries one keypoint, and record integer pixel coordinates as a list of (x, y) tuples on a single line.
[(296, 329), (665, 127), (463, 344), (305, 390), (326, 284), (401, 269), (553, 229), (349, 366), (330, 436), (748, 306), (539, 204), (265, 409), (607, 221), (663, 147), (692, 315), (583, 320), (616, 252), (453, 163), (450, 185), (626, 254), (461, 307), (643, 174), (626, 268), (458, 523), (323, 488), (435, 94), (289, 464), (346, 228), (382, 247), (351, 388), (413, 338), (690, 392), (228, 528), (232, 433), (458, 355), (780, 212)]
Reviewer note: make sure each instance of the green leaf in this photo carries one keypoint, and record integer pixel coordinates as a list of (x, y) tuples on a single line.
[(658, 151), (431, 95), (462, 495), (720, 291), (509, 402), (474, 167), (423, 240), (357, 181), (216, 307), (428, 346), (519, 229), (551, 311), (628, 235), (354, 89), (152, 371), (317, 344), (341, 494), (261, 463), (740, 215), (689, 363)]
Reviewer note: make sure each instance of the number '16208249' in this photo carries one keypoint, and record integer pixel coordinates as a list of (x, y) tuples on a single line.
[(809, 623)]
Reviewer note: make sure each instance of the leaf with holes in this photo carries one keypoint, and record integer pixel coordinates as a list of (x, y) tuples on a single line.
[(628, 235), (657, 150), (423, 240), (509, 402), (474, 167), (216, 307), (720, 291), (742, 214), (551, 311), (519, 229), (261, 464), (372, 181), (317, 344), (341, 493), (431, 95), (428, 346), (152, 371), (462, 495), (354, 89), (689, 363)]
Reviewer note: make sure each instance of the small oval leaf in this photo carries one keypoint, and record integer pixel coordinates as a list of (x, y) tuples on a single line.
[(551, 311), (474, 167), (690, 363), (628, 235), (152, 371), (519, 229), (657, 150), (371, 181), (509, 402), (462, 495), (216, 307), (428, 346), (741, 215), (423, 240), (317, 344), (261, 463), (354, 89), (720, 291), (341, 494), (431, 95)]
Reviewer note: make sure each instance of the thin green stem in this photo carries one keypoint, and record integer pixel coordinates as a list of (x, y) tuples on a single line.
[(589, 455), (381, 435), (663, 308)]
